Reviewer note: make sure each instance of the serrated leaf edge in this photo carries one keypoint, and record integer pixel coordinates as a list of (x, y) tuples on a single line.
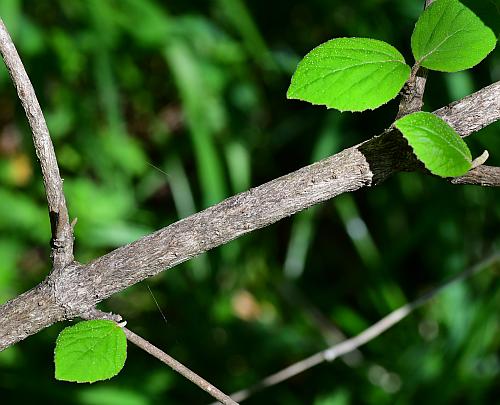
[(468, 158), (421, 60), (402, 60), (72, 329)]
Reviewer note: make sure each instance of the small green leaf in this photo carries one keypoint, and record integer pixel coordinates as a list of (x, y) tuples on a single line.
[(436, 144), (90, 351), (449, 37), (350, 74)]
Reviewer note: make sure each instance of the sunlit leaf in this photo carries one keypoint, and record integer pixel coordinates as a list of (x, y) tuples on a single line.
[(449, 37), (436, 144), (350, 74), (90, 351)]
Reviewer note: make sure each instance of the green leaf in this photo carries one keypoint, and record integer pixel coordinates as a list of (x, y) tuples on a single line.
[(449, 37), (90, 351), (350, 74), (436, 144)]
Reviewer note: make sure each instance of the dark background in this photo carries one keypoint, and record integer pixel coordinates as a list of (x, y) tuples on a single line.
[(160, 109)]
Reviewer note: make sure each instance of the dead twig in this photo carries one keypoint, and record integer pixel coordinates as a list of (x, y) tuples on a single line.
[(349, 345)]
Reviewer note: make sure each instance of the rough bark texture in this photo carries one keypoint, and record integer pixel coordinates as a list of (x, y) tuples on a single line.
[(482, 175), (468, 115), (74, 290), (413, 92), (32, 311), (243, 213)]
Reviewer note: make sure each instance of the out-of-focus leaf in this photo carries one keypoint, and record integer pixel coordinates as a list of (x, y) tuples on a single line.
[(24, 215), (349, 320), (11, 15), (199, 110), (102, 213), (238, 14), (339, 397), (124, 152), (89, 201), (116, 234), (238, 162), (10, 254), (108, 395), (459, 85), (152, 29), (60, 121), (71, 59)]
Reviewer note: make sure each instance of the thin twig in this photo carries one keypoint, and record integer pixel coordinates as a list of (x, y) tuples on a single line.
[(162, 356), (364, 337), (62, 234), (180, 368)]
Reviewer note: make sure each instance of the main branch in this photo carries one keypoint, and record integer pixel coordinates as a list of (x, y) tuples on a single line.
[(71, 291)]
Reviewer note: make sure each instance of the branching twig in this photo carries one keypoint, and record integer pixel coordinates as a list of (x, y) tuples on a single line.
[(364, 337), (62, 234)]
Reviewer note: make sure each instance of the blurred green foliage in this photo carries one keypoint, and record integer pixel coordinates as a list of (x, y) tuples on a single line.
[(159, 109)]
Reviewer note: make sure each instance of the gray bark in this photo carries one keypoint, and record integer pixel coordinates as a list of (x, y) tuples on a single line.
[(62, 232), (74, 290)]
